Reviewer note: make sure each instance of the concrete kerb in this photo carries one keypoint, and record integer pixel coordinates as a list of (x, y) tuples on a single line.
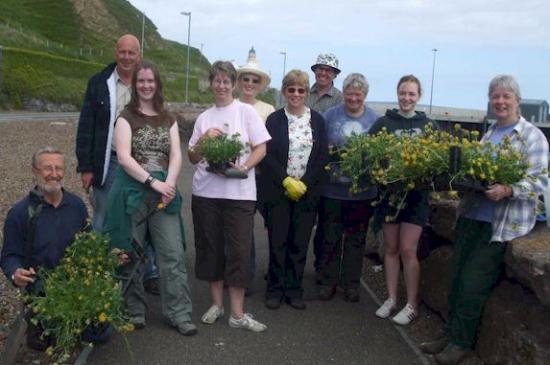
[(83, 356), (421, 356)]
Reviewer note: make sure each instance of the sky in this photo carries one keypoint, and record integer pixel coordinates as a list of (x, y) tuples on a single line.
[(382, 39)]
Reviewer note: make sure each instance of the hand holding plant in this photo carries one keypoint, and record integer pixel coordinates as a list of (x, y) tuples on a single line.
[(80, 293)]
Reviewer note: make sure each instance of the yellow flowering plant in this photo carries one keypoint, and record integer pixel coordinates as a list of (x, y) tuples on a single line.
[(80, 294), (433, 160), (489, 164)]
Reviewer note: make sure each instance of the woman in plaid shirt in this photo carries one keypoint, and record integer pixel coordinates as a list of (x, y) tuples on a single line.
[(489, 221)]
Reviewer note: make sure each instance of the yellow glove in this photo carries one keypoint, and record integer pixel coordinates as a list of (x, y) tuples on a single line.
[(294, 188), (303, 187)]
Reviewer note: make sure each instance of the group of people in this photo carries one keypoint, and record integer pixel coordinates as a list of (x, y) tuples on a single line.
[(129, 156)]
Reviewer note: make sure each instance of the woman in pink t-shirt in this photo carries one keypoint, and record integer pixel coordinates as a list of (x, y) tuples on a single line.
[(223, 207)]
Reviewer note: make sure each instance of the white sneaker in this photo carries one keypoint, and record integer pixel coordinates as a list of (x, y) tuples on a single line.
[(405, 316), (385, 309), (212, 314), (247, 322)]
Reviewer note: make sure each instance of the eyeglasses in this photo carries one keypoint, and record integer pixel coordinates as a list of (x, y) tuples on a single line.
[(323, 69), (224, 82), (51, 169), (292, 90), (250, 79)]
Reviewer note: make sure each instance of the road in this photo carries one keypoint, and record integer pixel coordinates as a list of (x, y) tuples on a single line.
[(334, 332), (25, 116)]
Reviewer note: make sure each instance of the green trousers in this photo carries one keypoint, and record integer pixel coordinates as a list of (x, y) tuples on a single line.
[(166, 237), (476, 266)]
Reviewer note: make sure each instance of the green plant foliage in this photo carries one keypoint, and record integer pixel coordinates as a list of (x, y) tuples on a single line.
[(268, 96), (80, 292), (51, 38), (221, 149), (54, 19), (40, 75)]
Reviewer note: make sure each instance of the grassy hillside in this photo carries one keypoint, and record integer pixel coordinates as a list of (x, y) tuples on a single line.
[(52, 47)]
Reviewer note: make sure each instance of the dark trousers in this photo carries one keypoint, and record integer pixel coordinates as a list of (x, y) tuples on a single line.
[(318, 244), (476, 266), (223, 236), (344, 224), (289, 227)]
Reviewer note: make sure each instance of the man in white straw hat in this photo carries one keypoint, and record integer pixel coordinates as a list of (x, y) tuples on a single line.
[(251, 80), (323, 95)]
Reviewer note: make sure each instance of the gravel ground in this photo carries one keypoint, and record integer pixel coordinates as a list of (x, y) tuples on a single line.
[(18, 141)]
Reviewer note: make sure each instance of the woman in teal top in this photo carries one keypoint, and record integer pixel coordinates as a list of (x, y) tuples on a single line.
[(149, 153)]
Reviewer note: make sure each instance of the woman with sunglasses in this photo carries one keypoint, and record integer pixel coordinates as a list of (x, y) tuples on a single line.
[(251, 80), (290, 182)]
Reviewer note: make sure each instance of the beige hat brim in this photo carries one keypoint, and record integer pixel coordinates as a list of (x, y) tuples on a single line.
[(265, 79)]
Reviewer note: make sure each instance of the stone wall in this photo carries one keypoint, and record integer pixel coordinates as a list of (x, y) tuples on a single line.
[(515, 326)]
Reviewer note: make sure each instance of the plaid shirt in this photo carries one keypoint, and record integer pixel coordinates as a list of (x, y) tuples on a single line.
[(322, 103), (515, 217)]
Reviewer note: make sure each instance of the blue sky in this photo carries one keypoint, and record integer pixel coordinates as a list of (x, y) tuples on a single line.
[(383, 39)]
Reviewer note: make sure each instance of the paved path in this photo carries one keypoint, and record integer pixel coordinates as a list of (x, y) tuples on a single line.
[(334, 332)]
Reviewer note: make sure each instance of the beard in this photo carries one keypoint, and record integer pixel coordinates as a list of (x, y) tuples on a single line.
[(49, 187)]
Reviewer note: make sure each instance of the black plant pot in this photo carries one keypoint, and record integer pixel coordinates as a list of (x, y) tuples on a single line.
[(97, 334), (217, 167), (469, 184)]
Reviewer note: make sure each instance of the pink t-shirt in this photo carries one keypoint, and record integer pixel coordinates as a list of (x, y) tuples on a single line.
[(240, 118)]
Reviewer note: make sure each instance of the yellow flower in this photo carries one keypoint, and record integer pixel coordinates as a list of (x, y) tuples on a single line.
[(102, 317), (49, 351), (453, 194)]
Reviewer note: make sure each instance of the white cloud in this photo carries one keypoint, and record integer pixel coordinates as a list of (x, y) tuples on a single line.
[(382, 38)]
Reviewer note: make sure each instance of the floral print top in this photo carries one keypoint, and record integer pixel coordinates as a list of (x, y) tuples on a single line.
[(150, 139), (300, 143)]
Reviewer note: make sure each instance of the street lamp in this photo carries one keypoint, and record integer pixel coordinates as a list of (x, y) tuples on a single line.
[(187, 13), (433, 74), (284, 72), (142, 32)]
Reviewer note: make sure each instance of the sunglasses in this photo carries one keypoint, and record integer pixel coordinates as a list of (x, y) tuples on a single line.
[(250, 79), (292, 90)]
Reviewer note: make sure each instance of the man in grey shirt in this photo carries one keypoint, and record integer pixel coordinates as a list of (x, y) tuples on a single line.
[(323, 95)]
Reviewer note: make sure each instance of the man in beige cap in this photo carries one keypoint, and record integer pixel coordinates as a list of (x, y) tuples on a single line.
[(323, 95)]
